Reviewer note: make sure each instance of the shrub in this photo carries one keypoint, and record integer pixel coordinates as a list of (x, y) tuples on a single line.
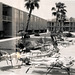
[(68, 34)]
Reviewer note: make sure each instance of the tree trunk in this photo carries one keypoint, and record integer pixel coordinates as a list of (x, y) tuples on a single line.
[(28, 19), (56, 25), (53, 37)]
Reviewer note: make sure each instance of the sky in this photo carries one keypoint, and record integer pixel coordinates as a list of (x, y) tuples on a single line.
[(44, 10)]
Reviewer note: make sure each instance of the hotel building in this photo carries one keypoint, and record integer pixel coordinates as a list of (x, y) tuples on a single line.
[(13, 20), (68, 25)]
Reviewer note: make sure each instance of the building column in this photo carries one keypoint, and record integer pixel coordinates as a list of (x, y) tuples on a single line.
[(13, 23), (1, 17)]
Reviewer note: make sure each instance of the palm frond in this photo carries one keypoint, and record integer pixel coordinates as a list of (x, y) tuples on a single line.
[(26, 0), (54, 13), (32, 5), (58, 15), (37, 5), (58, 5), (55, 3), (63, 13), (62, 4), (27, 5), (53, 8), (64, 10)]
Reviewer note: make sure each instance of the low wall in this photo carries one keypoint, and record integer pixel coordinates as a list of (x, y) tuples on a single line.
[(8, 45)]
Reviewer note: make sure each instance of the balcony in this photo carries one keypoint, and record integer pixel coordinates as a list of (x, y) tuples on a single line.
[(7, 18)]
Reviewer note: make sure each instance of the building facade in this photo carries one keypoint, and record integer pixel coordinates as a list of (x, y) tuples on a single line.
[(13, 20), (68, 25)]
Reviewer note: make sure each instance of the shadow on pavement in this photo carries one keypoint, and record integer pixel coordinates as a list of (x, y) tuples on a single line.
[(54, 72), (5, 68)]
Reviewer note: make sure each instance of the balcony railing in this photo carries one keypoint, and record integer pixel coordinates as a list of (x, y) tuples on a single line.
[(7, 18)]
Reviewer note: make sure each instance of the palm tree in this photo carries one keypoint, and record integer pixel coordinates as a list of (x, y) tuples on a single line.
[(56, 13), (60, 12), (30, 5)]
